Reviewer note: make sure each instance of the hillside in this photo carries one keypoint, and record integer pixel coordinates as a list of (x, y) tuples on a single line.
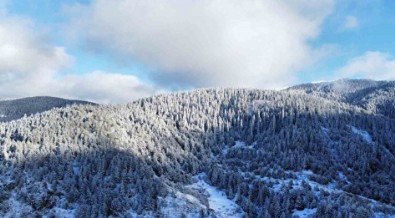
[(375, 96), (15, 109), (205, 153)]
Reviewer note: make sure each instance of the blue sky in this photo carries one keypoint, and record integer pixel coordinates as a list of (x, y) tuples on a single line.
[(116, 51)]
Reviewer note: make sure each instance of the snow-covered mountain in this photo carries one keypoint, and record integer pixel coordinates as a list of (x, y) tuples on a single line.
[(375, 96), (205, 153), (17, 108)]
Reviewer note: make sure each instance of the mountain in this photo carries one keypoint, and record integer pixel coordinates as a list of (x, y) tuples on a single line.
[(204, 153), (375, 96), (15, 109)]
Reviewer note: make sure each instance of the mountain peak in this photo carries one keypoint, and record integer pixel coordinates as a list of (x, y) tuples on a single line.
[(16, 108)]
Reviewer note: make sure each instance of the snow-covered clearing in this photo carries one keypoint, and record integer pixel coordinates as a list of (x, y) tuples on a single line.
[(180, 204), (297, 182), (238, 144), (343, 177), (365, 135), (76, 168), (325, 130), (305, 213), (217, 200), (63, 213), (16, 208), (382, 215)]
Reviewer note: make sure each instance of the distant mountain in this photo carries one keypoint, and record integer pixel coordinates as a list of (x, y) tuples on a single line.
[(15, 109), (375, 96), (314, 150)]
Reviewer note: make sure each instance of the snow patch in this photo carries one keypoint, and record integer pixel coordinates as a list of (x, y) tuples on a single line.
[(240, 144), (343, 177), (60, 212), (76, 168), (297, 182), (3, 116), (382, 215), (325, 130), (365, 135), (217, 200), (16, 208), (305, 213)]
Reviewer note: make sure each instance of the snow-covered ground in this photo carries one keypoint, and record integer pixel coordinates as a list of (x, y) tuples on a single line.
[(217, 200), (178, 204), (63, 213), (325, 130), (199, 197), (343, 177), (16, 207), (297, 182), (76, 168), (382, 215), (305, 213), (365, 135), (238, 144)]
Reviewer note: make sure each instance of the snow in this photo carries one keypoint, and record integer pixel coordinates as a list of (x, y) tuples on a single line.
[(133, 214), (63, 213), (175, 205), (17, 208), (325, 130), (225, 150), (343, 177), (217, 200), (382, 215), (238, 144), (76, 168), (297, 182), (190, 198), (3, 116), (305, 213), (365, 135)]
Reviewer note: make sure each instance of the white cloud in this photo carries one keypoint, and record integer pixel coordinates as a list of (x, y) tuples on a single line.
[(252, 43), (371, 65), (104, 87), (351, 22), (27, 61), (30, 65)]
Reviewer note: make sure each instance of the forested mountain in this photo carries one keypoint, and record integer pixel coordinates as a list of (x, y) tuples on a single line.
[(375, 96), (15, 109), (206, 153)]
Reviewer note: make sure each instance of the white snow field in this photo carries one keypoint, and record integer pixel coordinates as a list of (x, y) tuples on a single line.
[(305, 213), (365, 135), (217, 200)]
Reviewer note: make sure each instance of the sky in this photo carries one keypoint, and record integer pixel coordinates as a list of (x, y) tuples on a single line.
[(116, 51)]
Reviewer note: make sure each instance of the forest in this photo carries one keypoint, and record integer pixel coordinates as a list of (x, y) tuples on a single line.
[(314, 150)]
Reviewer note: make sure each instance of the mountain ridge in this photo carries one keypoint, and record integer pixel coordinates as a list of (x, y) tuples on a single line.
[(12, 109), (272, 153)]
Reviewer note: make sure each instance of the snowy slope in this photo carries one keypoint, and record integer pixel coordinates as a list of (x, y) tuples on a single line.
[(17, 108), (218, 202)]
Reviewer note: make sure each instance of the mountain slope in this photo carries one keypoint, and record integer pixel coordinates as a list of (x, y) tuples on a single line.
[(271, 153), (15, 109), (375, 96)]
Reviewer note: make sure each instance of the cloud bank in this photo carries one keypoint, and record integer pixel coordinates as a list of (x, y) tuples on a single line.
[(252, 43), (371, 65), (30, 65)]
